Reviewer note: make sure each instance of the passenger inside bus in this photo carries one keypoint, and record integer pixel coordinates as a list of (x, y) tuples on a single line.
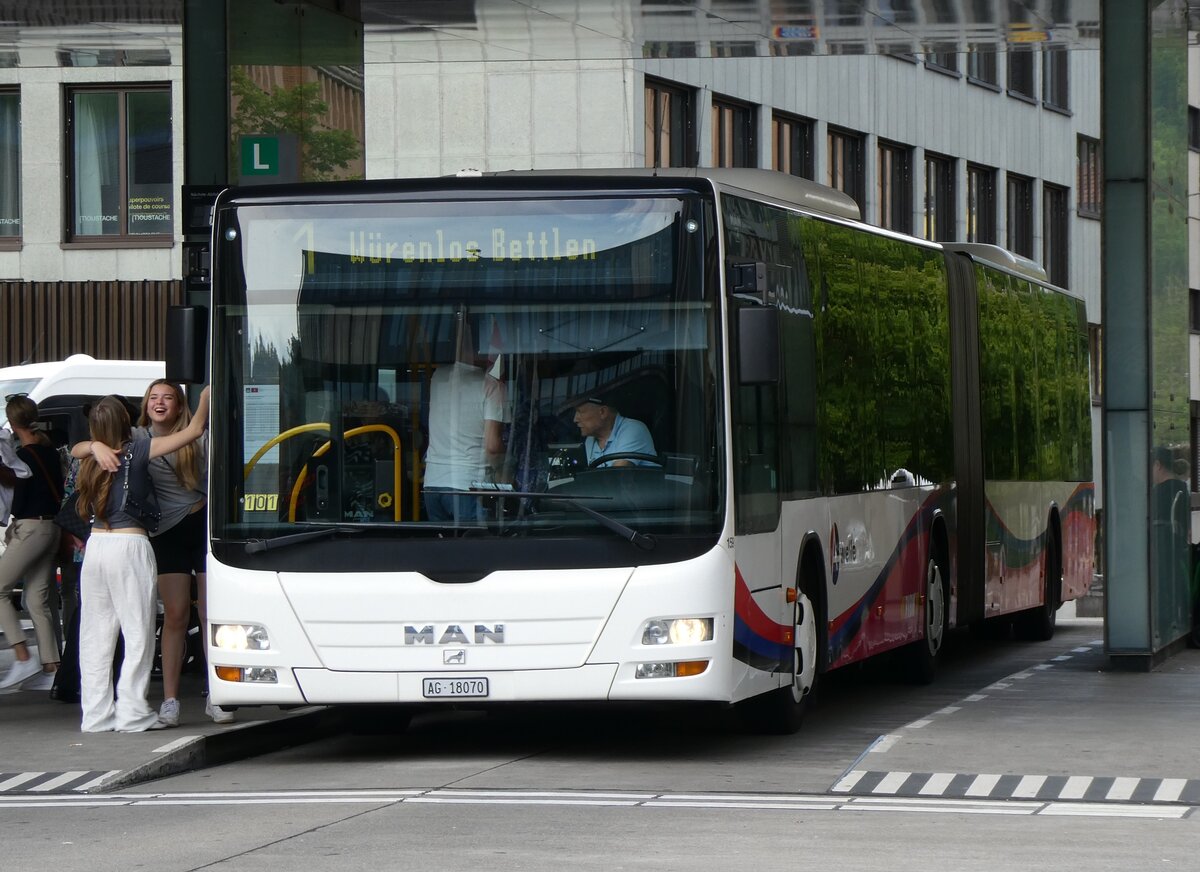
[(608, 433), (468, 408)]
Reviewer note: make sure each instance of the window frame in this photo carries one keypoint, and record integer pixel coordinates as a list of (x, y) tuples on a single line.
[(680, 101), (981, 204), (784, 149), (894, 186), (938, 204), (734, 140), (846, 150), (1089, 178), (1056, 233), (1056, 81), (982, 67), (125, 239), (1017, 85), (15, 242), (1018, 236)]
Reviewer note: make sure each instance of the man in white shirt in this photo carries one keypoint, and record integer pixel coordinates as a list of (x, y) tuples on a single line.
[(468, 409)]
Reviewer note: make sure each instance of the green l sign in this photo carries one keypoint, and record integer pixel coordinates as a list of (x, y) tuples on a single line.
[(260, 155)]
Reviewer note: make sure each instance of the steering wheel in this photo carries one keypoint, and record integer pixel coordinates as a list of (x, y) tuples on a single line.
[(624, 455)]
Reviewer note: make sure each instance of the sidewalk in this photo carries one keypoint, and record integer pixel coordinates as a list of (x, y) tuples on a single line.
[(43, 750), (1071, 726)]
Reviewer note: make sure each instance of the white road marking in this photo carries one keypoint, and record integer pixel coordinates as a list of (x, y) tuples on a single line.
[(1122, 788), (937, 784), (1170, 789), (178, 743), (982, 785), (1029, 786), (891, 782), (65, 778), (723, 801), (975, 697), (848, 781), (20, 779), (1076, 787)]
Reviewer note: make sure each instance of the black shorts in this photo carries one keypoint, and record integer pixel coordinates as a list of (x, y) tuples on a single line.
[(182, 548)]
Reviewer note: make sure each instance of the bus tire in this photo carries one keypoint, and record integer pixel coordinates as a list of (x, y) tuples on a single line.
[(1038, 624), (780, 712), (923, 655)]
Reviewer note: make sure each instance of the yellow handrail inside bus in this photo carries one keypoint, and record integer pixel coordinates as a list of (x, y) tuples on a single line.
[(275, 440), (356, 431)]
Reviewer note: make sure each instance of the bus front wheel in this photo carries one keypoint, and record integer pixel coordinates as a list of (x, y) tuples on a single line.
[(781, 711)]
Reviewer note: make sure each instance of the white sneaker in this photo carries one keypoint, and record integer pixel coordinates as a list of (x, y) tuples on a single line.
[(41, 681), (218, 714), (20, 671), (168, 713)]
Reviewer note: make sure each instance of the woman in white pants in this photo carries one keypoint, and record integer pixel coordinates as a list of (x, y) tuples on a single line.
[(117, 583)]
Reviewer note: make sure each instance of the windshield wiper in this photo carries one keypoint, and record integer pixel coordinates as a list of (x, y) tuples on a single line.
[(642, 540), (257, 546)]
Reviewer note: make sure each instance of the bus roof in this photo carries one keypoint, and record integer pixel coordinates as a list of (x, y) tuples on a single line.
[(1001, 257)]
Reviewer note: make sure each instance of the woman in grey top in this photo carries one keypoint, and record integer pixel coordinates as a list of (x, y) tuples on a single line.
[(181, 541)]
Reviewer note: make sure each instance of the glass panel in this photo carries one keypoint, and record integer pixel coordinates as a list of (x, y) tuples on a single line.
[(10, 165), (352, 316), (97, 163), (148, 131)]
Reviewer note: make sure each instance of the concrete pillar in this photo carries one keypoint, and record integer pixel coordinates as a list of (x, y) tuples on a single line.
[(1144, 306)]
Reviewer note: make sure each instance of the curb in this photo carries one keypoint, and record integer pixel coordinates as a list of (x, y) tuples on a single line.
[(230, 744)]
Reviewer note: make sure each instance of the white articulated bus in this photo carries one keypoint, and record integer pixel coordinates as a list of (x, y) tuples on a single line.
[(861, 440)]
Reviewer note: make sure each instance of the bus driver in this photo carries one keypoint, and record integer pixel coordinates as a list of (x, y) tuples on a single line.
[(608, 432)]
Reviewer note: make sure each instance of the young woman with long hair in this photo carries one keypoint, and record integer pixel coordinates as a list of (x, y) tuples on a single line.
[(32, 539), (117, 584)]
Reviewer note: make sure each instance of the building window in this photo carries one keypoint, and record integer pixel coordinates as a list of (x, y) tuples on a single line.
[(1054, 235), (793, 139), (981, 64), (1194, 310), (939, 198), (942, 56), (847, 172), (662, 49), (733, 134), (981, 204), (1020, 72), (1056, 91), (1020, 215), (120, 163), (895, 187), (1097, 362), (10, 168), (1089, 183), (669, 136), (1193, 128), (735, 49)]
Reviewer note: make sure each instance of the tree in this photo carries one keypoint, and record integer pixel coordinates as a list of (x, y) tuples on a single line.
[(297, 110)]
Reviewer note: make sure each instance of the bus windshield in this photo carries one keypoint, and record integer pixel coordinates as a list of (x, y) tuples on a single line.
[(435, 368)]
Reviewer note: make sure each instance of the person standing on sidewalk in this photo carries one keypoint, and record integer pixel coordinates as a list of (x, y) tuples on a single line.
[(181, 541), (32, 544), (119, 569)]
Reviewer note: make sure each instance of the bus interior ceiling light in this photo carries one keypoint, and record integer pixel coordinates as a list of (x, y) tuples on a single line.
[(241, 637), (677, 631)]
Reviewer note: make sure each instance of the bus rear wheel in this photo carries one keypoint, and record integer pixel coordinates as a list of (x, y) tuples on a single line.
[(1038, 624), (781, 711)]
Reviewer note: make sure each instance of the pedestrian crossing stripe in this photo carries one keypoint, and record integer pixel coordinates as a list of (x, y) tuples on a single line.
[(78, 781), (956, 785)]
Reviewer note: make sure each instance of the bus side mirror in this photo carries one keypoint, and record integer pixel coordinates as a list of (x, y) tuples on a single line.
[(758, 345), (187, 338)]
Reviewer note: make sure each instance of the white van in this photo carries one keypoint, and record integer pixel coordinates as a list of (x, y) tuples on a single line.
[(63, 388)]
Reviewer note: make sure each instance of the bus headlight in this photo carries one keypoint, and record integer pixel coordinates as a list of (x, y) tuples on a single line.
[(240, 637), (677, 631)]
